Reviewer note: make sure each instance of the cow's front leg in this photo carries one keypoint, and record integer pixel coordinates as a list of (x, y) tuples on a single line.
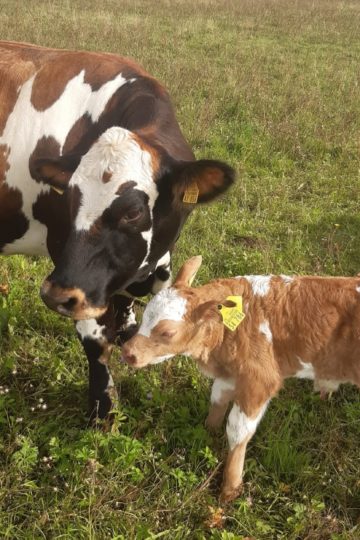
[(94, 337)]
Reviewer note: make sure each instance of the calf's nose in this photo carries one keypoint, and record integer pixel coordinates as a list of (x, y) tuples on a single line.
[(128, 358)]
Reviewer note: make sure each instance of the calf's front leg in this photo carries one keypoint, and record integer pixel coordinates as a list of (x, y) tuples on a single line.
[(222, 393), (239, 429)]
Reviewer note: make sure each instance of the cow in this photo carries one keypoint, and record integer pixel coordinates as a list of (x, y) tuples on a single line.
[(250, 333), (96, 174)]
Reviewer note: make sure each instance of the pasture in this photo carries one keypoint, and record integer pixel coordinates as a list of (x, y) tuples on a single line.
[(272, 87)]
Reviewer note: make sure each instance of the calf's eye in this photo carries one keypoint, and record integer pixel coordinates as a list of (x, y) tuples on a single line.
[(168, 333)]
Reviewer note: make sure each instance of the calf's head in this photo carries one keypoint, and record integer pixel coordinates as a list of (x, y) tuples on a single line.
[(126, 210), (177, 320)]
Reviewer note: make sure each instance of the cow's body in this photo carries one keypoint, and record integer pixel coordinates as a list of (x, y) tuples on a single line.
[(304, 327), (99, 127)]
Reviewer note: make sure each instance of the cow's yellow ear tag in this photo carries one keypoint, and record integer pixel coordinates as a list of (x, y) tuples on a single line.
[(58, 190), (232, 316), (191, 194)]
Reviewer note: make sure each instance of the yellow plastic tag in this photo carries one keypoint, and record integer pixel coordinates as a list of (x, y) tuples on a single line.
[(58, 190), (191, 194), (233, 316)]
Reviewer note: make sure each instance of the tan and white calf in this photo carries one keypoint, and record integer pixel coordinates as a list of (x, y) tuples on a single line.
[(306, 327)]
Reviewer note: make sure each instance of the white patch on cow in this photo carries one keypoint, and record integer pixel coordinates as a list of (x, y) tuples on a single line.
[(260, 284), (239, 426), (159, 285), (118, 152), (358, 289), (167, 304), (91, 329), (286, 279), (307, 371), (264, 328), (219, 386), (22, 136)]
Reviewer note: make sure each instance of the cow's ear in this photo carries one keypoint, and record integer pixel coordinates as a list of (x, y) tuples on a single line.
[(201, 181), (55, 172), (188, 271)]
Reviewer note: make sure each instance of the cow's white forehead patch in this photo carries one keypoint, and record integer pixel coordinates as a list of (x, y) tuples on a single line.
[(167, 304), (117, 152)]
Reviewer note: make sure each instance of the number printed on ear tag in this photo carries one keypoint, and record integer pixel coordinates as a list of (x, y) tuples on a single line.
[(232, 316), (191, 194)]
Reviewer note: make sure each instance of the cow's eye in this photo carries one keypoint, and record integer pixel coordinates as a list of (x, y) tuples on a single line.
[(131, 215)]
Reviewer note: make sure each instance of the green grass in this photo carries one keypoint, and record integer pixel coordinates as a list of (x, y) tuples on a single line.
[(272, 87)]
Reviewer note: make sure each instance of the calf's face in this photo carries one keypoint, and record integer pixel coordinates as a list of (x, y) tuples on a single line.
[(169, 325)]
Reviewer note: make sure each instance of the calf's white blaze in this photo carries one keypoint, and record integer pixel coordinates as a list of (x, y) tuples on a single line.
[(167, 304), (239, 426), (220, 386)]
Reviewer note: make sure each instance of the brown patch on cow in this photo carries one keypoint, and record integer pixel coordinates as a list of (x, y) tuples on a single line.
[(81, 136), (154, 153), (125, 186), (13, 73), (13, 223), (97, 68), (106, 177), (47, 147)]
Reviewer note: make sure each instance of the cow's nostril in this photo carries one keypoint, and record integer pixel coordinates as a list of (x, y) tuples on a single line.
[(69, 304)]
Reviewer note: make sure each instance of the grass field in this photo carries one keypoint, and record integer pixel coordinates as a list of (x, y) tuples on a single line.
[(272, 87)]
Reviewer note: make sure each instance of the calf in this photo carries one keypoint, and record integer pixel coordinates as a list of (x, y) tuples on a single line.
[(305, 327)]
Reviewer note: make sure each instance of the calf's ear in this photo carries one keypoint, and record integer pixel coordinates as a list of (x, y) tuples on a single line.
[(202, 181), (55, 172), (188, 271)]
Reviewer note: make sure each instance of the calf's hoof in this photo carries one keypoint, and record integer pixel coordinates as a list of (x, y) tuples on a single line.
[(213, 424), (228, 494)]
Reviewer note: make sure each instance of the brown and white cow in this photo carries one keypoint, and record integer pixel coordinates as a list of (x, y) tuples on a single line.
[(102, 132), (306, 327)]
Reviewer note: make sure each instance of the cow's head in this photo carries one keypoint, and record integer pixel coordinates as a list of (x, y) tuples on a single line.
[(127, 209)]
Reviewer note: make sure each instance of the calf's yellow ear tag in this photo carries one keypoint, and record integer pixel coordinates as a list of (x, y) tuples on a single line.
[(232, 316), (191, 194)]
